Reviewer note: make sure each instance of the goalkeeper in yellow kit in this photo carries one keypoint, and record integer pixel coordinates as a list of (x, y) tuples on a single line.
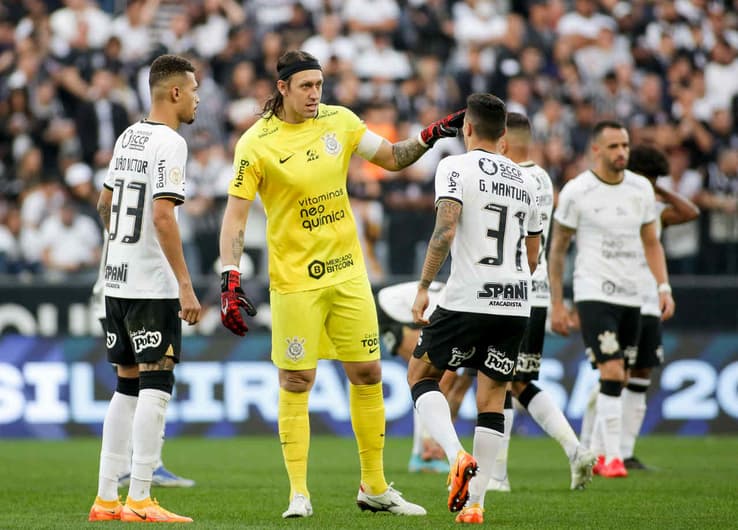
[(296, 157)]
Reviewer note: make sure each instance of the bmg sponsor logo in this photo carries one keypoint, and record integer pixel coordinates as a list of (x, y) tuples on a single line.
[(504, 294), (240, 173), (453, 184), (143, 339)]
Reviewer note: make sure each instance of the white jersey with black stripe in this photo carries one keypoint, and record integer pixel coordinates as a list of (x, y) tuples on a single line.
[(148, 163), (607, 219), (489, 267), (540, 292)]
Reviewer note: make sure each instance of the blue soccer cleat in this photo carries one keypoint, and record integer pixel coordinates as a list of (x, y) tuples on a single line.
[(163, 478)]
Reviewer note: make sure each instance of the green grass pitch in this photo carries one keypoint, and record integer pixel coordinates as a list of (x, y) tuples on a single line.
[(241, 483)]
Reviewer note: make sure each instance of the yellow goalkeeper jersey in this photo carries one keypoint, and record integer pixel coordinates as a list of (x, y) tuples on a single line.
[(300, 172)]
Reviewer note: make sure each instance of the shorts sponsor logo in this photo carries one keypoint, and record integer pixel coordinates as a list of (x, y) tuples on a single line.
[(498, 362), (117, 273), (370, 342), (539, 286), (458, 356), (609, 344), (504, 294), (332, 145), (631, 354), (295, 349), (528, 363), (316, 269), (110, 339), (135, 140), (143, 340), (660, 354)]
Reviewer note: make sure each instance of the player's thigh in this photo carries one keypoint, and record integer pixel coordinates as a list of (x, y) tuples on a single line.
[(600, 324), (629, 332), (531, 347), (117, 343), (154, 329), (650, 347), (298, 328), (351, 325), (499, 345)]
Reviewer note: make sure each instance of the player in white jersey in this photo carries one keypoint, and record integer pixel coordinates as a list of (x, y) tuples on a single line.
[(147, 290), (671, 208), (612, 212), (538, 403), (488, 219)]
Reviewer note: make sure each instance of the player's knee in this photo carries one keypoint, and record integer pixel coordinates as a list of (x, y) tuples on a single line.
[(157, 380), (296, 381), (526, 393), (127, 386), (423, 387), (613, 370)]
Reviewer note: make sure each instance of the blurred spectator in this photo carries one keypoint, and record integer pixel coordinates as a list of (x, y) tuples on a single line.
[(381, 62), (12, 256), (132, 28), (682, 241), (70, 242), (79, 26), (431, 29), (210, 28), (100, 120), (329, 42), (720, 199), (582, 26), (298, 27), (78, 178), (721, 74)]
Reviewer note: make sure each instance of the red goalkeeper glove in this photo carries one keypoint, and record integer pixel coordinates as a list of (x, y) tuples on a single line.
[(232, 299), (447, 127)]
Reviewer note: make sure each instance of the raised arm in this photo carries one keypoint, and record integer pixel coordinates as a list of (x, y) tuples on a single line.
[(399, 155), (560, 241), (447, 218), (680, 209)]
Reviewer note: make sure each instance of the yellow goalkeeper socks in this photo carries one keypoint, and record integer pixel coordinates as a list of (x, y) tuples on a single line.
[(367, 419), (294, 434)]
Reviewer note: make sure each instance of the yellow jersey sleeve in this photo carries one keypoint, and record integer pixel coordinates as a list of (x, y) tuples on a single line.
[(300, 172)]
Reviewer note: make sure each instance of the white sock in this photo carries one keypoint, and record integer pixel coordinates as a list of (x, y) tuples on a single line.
[(435, 415), (417, 434), (610, 416), (116, 436), (499, 469), (546, 414), (634, 410), (588, 419), (148, 431), (487, 444)]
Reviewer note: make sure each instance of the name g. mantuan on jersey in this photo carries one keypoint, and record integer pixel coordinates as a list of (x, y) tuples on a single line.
[(489, 267), (608, 220), (148, 163)]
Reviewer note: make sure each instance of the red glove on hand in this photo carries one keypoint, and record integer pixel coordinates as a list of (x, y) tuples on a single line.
[(447, 127), (232, 299)]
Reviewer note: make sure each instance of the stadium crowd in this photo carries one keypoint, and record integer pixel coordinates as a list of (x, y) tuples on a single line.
[(73, 76)]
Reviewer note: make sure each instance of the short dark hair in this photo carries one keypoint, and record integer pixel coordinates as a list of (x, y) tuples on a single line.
[(605, 124), (166, 66), (487, 114), (648, 161), (518, 122)]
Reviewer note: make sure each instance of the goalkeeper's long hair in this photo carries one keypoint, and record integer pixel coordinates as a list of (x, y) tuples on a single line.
[(275, 104)]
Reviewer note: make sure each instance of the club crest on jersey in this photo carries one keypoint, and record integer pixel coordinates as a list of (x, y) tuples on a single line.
[(332, 145), (295, 348), (175, 176), (488, 166), (608, 342)]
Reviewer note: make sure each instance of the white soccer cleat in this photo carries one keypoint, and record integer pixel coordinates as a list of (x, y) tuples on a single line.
[(299, 507), (502, 486), (390, 501), (581, 468)]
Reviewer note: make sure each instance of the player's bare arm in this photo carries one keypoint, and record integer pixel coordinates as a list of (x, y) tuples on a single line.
[(680, 209), (560, 241), (532, 246), (232, 230), (104, 203), (167, 232), (656, 260), (447, 218)]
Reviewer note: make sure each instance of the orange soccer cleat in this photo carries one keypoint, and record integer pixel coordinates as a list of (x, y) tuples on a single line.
[(464, 468), (149, 511), (471, 514), (614, 469), (105, 510)]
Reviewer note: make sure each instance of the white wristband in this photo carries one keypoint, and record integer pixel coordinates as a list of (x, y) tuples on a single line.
[(421, 142), (230, 268), (664, 288)]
